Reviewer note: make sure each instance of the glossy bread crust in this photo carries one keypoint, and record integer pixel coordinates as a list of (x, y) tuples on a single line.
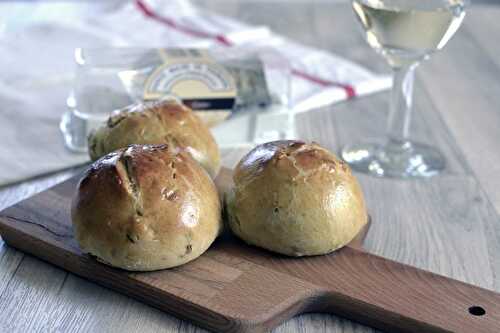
[(296, 199), (146, 208), (157, 123)]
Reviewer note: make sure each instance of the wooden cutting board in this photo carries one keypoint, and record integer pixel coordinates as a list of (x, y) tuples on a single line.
[(237, 288)]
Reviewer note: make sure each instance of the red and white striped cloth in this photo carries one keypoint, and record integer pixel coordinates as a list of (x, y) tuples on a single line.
[(318, 77)]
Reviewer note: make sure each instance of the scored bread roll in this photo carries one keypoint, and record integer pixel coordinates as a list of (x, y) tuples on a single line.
[(295, 198), (146, 208), (156, 123)]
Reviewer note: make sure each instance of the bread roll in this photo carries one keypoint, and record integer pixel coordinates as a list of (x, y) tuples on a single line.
[(295, 198), (145, 208), (156, 123)]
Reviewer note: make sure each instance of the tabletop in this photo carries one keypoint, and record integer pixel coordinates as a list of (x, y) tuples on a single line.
[(448, 224)]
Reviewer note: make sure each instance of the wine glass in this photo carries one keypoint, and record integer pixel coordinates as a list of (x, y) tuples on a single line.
[(404, 32)]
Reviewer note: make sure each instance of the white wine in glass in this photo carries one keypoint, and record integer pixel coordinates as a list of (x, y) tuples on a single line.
[(404, 32)]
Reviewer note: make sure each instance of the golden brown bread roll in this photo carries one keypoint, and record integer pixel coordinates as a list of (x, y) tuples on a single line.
[(296, 199), (146, 208), (156, 123)]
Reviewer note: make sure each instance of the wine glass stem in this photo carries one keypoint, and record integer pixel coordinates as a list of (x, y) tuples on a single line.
[(401, 106)]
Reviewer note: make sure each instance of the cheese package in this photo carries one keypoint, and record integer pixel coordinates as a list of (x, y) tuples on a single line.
[(213, 83)]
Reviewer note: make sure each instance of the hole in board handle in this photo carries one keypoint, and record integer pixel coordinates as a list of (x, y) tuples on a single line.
[(477, 310)]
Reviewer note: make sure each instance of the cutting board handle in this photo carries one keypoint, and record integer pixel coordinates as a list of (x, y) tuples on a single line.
[(395, 297), (391, 296)]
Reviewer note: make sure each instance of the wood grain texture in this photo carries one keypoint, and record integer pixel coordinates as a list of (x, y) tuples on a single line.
[(237, 288), (448, 225)]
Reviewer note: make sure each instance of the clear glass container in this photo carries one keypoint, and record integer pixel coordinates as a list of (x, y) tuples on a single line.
[(109, 79)]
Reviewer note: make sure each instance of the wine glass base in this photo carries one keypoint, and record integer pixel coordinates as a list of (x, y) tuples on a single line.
[(406, 160)]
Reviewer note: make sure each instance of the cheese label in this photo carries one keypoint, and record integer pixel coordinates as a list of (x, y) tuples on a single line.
[(193, 76)]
